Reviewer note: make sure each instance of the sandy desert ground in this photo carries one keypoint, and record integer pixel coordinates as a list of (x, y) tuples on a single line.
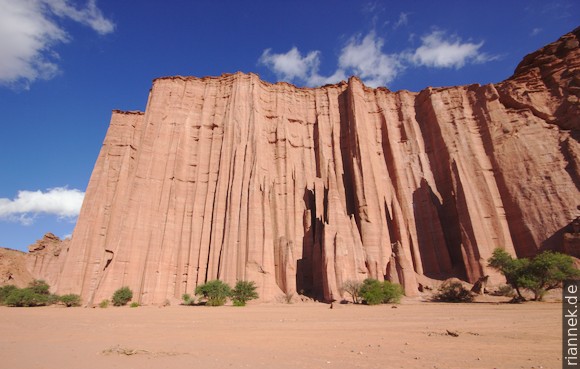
[(304, 335)]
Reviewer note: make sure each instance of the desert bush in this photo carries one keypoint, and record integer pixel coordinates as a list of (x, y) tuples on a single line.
[(453, 292), (352, 288), (52, 299), (371, 291), (215, 292), (39, 287), (544, 272), (187, 299), (5, 291), (122, 296), (26, 297), (374, 292), (71, 300), (134, 304), (243, 292), (392, 292), (104, 304), (36, 294)]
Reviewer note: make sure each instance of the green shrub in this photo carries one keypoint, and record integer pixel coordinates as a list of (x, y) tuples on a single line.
[(134, 304), (52, 299), (5, 291), (104, 304), (544, 272), (71, 300), (187, 299), (122, 296), (40, 287), (392, 292), (372, 291), (215, 292), (243, 292), (453, 292), (36, 294), (26, 297)]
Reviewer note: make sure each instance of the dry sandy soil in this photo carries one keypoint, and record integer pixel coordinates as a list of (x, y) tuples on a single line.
[(305, 335)]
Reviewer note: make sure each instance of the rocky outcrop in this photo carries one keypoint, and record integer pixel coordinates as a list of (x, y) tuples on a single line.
[(301, 189), (13, 270), (43, 261), (45, 258)]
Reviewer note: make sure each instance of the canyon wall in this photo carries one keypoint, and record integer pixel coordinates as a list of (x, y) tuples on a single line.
[(301, 189)]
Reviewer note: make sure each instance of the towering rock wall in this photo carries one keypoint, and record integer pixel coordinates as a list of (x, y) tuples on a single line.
[(302, 189)]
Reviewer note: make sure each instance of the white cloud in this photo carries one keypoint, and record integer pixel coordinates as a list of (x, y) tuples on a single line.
[(362, 57), (535, 32), (59, 201), (29, 31), (438, 52), (291, 65), (365, 58)]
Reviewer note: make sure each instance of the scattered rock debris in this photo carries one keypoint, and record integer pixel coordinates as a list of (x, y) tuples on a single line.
[(117, 349)]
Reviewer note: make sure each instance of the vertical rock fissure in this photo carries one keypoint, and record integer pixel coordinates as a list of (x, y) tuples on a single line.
[(440, 160)]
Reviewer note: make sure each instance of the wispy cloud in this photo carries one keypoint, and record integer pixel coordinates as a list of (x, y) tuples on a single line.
[(535, 31), (402, 21), (60, 201), (365, 57), (29, 31)]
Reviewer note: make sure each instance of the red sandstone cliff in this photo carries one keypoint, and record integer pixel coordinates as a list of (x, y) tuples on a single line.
[(301, 189)]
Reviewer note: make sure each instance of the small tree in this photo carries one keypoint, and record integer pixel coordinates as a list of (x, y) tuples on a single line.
[(71, 300), (216, 292), (544, 272), (122, 296), (512, 269), (352, 288), (547, 271), (243, 292)]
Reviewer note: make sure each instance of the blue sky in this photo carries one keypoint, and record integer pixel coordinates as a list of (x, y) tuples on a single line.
[(64, 65)]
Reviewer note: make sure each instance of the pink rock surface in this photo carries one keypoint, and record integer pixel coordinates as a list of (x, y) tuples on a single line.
[(45, 258), (301, 189)]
